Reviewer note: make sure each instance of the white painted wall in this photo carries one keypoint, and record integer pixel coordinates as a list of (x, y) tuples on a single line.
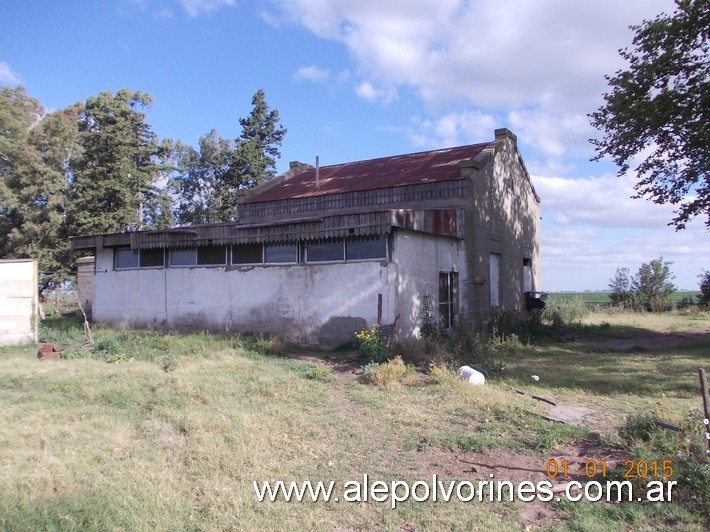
[(419, 258), (293, 301), (18, 301)]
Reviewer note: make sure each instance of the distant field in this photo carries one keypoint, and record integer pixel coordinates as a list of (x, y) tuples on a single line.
[(602, 298)]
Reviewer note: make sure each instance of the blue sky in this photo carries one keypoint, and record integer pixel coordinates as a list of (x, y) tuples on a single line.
[(357, 79)]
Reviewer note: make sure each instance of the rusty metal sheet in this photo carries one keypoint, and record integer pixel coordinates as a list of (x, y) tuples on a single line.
[(399, 170)]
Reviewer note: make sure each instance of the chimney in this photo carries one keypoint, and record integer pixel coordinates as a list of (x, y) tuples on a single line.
[(317, 172)]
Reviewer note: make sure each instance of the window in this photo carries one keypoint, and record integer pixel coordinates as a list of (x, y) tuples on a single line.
[(247, 254), (125, 258), (325, 250), (527, 275), (152, 258), (211, 255), (370, 247), (133, 258), (448, 298), (281, 253), (183, 257)]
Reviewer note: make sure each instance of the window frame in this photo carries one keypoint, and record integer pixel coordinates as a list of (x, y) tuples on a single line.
[(235, 246), (204, 250), (338, 240), (138, 254), (181, 250), (448, 298), (367, 238), (294, 244)]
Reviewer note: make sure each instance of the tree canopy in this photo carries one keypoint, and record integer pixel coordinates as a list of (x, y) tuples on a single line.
[(649, 288), (116, 177), (97, 167), (208, 181), (656, 115)]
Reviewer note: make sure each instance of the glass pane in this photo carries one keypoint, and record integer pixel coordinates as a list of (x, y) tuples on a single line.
[(246, 254), (374, 247), (281, 253), (212, 255), (324, 250), (125, 258), (152, 257), (183, 257), (444, 288)]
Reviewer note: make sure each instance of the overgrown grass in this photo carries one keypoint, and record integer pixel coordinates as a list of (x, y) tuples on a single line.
[(167, 431)]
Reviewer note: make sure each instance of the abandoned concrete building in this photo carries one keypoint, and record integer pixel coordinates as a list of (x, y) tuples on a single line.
[(320, 252)]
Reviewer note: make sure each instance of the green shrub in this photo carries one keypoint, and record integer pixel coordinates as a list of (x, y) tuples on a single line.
[(560, 313), (429, 327), (372, 345), (319, 372), (389, 372)]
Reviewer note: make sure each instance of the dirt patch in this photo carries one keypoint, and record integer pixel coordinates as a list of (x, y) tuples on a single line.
[(505, 465)]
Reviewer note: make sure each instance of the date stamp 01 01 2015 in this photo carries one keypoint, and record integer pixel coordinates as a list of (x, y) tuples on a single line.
[(656, 469)]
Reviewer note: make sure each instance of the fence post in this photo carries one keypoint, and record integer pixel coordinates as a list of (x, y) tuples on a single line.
[(706, 403)]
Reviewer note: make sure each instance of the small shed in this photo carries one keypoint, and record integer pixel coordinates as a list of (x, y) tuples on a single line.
[(19, 301)]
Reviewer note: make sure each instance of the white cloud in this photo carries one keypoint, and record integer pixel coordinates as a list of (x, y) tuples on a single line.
[(538, 66), (7, 75), (312, 73), (370, 92), (591, 226), (199, 7), (603, 201), (452, 129), (489, 52), (582, 258)]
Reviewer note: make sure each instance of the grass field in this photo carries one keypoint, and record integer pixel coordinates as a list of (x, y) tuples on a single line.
[(168, 431), (602, 298)]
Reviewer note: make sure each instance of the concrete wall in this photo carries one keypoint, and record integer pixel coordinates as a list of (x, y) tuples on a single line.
[(309, 303), (419, 258), (18, 301), (503, 217)]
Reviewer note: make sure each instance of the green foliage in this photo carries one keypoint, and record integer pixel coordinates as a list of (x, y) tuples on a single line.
[(430, 327), (208, 181), (115, 181), (37, 153), (563, 312), (649, 289), (686, 451), (704, 297), (319, 372), (389, 372), (372, 345), (652, 286), (620, 286), (657, 108), (200, 177), (258, 145)]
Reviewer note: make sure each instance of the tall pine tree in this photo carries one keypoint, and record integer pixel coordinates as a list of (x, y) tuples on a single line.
[(116, 178), (208, 181)]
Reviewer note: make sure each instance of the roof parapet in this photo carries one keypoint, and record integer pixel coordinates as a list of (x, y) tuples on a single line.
[(503, 133)]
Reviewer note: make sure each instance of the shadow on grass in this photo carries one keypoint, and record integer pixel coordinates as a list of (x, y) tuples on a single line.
[(670, 371)]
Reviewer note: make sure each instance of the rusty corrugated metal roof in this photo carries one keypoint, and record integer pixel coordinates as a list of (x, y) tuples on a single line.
[(398, 170)]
